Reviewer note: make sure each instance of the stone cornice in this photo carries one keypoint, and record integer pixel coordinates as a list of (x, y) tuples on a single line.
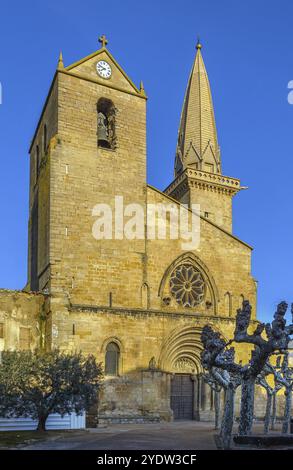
[(84, 77), (147, 313), (192, 178)]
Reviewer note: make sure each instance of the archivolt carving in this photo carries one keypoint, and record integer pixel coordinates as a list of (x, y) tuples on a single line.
[(185, 364), (182, 345), (182, 348)]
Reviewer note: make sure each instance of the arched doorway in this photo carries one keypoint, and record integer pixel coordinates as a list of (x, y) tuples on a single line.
[(190, 397), (182, 397)]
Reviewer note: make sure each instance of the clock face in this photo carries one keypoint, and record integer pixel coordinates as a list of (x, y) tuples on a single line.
[(104, 69)]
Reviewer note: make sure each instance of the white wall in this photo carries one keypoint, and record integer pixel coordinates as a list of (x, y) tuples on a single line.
[(54, 421)]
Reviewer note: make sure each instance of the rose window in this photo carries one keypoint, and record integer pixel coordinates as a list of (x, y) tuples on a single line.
[(187, 285)]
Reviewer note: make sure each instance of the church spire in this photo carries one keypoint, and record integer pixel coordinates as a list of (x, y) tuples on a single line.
[(197, 145)]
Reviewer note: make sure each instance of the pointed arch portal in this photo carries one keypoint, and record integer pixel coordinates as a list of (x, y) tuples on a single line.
[(190, 396)]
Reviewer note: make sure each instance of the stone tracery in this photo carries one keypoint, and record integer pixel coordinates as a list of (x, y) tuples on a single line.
[(187, 285)]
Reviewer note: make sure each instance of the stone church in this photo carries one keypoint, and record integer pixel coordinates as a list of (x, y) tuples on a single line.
[(138, 305)]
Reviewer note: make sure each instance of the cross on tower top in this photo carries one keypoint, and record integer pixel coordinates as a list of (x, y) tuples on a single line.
[(103, 40), (198, 45)]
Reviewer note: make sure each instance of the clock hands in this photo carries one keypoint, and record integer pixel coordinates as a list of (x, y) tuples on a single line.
[(103, 69)]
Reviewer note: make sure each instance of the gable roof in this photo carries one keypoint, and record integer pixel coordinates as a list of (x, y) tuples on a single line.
[(96, 54), (203, 218)]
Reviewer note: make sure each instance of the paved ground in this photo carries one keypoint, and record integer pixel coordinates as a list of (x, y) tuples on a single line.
[(181, 435)]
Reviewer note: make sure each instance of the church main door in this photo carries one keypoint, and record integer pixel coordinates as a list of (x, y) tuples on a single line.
[(182, 396)]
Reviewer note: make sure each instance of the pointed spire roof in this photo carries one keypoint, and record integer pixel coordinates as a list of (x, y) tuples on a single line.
[(141, 89), (197, 145), (60, 61)]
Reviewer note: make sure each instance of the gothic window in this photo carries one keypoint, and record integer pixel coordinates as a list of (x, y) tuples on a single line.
[(241, 300), (187, 285), (112, 359), (37, 161), (228, 303), (106, 124), (45, 138)]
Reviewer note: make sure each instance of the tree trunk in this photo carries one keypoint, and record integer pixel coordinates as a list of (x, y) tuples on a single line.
[(268, 412), (42, 423), (287, 412), (274, 411), (217, 409), (247, 406), (228, 418)]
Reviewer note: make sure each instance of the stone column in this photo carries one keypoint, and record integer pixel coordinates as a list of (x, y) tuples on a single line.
[(196, 413), (203, 393)]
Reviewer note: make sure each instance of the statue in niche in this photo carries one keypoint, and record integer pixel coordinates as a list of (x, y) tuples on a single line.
[(152, 364)]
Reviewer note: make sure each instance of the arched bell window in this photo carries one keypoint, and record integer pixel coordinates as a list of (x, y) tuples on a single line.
[(112, 359), (106, 124)]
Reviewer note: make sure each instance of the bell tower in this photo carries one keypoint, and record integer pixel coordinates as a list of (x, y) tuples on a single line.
[(198, 169), (95, 151)]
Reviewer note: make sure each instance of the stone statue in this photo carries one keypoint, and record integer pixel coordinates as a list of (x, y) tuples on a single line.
[(152, 364)]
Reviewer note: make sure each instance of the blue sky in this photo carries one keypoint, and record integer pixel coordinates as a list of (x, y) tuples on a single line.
[(247, 48)]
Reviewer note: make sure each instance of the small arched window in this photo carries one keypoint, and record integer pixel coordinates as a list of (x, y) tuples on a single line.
[(228, 304), (106, 124), (112, 359), (37, 161), (45, 138), (241, 300)]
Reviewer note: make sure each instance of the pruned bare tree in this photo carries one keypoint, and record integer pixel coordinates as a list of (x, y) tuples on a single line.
[(277, 339), (216, 387), (283, 375), (219, 362), (218, 359), (270, 392)]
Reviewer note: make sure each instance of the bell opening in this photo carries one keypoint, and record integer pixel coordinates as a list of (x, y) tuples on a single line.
[(106, 123), (104, 144)]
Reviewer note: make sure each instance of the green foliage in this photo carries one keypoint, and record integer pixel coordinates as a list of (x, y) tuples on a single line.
[(40, 383)]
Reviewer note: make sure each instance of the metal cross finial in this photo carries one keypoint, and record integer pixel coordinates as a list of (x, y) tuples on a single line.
[(103, 40)]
